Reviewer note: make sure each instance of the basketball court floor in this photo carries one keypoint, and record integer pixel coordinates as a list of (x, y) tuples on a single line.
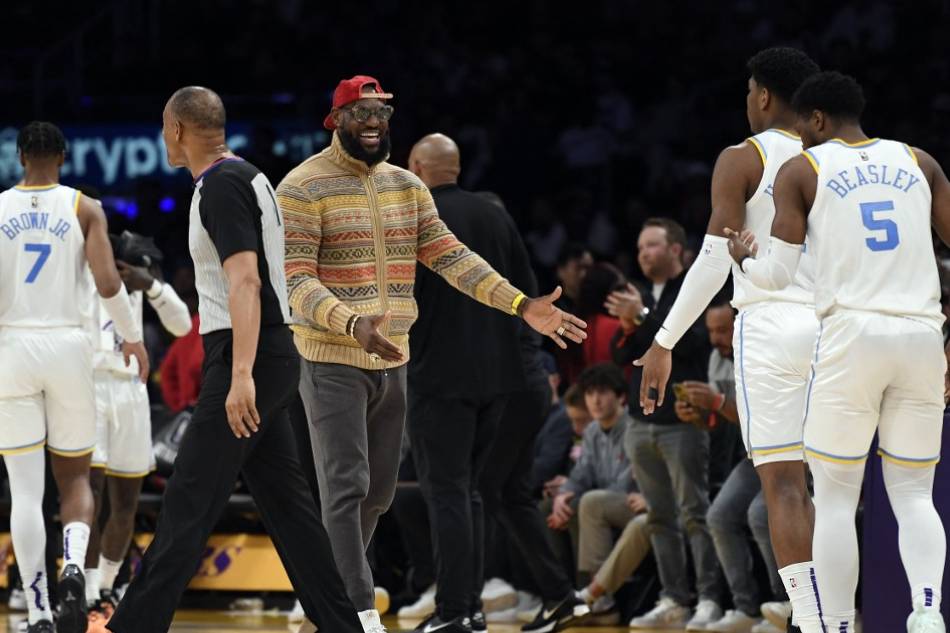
[(224, 622)]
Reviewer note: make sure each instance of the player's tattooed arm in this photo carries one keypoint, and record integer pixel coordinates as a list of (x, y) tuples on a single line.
[(940, 194)]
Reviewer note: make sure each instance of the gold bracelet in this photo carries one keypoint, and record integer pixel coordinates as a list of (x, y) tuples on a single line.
[(517, 302)]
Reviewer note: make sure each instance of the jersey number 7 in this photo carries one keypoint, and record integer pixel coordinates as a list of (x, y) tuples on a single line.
[(891, 236), (44, 251)]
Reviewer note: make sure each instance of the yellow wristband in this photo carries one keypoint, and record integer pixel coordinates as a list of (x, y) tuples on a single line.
[(517, 302)]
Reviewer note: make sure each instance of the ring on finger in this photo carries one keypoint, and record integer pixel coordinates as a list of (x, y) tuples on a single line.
[(374, 357), (560, 331)]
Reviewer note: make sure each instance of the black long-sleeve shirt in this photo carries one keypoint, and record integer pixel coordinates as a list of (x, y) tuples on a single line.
[(690, 356), (458, 347)]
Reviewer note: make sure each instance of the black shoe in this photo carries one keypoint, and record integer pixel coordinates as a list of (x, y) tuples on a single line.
[(433, 623), (43, 626), (478, 622), (791, 628), (559, 615), (72, 601)]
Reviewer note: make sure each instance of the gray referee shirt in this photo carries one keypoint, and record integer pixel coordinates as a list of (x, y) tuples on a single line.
[(233, 209)]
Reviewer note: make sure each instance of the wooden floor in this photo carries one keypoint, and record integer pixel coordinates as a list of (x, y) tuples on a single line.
[(224, 622)]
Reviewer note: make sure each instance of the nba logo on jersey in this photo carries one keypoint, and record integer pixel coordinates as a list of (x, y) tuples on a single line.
[(864, 156)]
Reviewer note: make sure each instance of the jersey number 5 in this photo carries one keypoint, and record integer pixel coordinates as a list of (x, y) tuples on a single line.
[(891, 237), (44, 251)]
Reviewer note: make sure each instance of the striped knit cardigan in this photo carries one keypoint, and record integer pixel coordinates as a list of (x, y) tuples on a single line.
[(353, 236)]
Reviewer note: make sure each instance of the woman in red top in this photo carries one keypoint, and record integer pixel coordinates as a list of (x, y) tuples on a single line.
[(601, 327)]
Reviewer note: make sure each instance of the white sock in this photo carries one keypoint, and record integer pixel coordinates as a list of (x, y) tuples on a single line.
[(802, 588), (370, 620), (75, 542), (108, 569), (921, 537), (27, 483), (93, 584)]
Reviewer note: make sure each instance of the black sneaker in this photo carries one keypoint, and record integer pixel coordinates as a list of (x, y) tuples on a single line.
[(43, 626), (433, 623), (559, 615), (791, 628), (479, 625), (72, 601)]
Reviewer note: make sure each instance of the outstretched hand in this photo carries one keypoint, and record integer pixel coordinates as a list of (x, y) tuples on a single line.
[(544, 317), (367, 334)]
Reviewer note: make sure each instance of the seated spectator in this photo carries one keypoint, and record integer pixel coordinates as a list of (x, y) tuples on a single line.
[(600, 281), (180, 372), (558, 445), (740, 502), (601, 477)]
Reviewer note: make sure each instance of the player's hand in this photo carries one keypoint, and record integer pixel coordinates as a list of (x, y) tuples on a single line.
[(685, 412), (657, 364), (741, 244), (637, 502), (137, 350), (368, 336), (546, 318), (134, 277), (700, 394), (625, 305), (243, 417)]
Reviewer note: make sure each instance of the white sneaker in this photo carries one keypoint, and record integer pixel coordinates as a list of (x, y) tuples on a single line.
[(381, 600), (926, 621), (766, 627), (665, 615), (421, 607), (603, 612), (17, 600), (733, 622), (707, 612), (370, 621), (528, 606), (498, 595), (296, 614), (777, 613)]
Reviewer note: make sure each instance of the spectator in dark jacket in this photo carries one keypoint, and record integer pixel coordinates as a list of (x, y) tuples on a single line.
[(670, 459)]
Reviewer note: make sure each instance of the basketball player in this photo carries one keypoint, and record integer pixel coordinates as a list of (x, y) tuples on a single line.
[(48, 233), (123, 454), (776, 330), (250, 376), (867, 206)]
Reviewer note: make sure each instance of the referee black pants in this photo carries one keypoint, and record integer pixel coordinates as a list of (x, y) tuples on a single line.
[(206, 469), (451, 439)]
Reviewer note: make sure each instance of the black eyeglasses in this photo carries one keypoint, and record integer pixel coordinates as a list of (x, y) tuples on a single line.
[(363, 114)]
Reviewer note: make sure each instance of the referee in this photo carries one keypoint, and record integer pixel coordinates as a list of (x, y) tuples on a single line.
[(250, 375)]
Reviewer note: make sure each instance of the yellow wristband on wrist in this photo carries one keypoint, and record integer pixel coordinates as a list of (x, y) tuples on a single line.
[(517, 302)]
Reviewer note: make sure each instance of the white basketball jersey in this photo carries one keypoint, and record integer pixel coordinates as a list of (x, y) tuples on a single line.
[(42, 257), (775, 147), (870, 230), (106, 344)]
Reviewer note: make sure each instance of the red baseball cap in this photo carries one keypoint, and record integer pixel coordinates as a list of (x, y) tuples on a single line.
[(354, 89)]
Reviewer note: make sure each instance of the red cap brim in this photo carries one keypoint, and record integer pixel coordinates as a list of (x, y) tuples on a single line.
[(328, 122)]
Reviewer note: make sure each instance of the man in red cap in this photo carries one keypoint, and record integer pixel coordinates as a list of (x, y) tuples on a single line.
[(355, 226)]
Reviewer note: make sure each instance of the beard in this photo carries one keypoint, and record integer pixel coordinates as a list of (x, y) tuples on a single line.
[(353, 147)]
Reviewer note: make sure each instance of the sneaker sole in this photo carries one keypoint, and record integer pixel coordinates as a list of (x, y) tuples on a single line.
[(73, 613)]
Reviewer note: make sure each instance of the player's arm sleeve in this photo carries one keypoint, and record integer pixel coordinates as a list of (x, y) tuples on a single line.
[(777, 269), (230, 214), (119, 309), (171, 310), (703, 280)]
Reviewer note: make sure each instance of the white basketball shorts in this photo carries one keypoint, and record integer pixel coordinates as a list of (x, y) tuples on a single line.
[(123, 426), (876, 372), (46, 391), (773, 345)]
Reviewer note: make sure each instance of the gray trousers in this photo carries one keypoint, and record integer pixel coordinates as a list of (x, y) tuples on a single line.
[(738, 504), (671, 465), (356, 421)]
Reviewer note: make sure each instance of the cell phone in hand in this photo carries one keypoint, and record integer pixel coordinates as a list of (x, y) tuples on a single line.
[(679, 390)]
